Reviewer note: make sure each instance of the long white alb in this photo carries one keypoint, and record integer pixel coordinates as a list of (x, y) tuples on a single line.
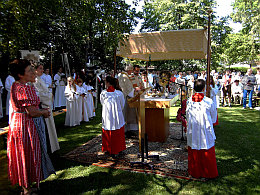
[(112, 109), (200, 118)]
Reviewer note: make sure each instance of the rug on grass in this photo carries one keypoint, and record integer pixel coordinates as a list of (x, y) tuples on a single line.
[(173, 157)]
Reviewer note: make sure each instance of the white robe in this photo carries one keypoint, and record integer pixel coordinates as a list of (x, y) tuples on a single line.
[(1, 91), (46, 101), (72, 106), (82, 103), (90, 101), (8, 84), (48, 81), (213, 95), (59, 99), (112, 109), (200, 118)]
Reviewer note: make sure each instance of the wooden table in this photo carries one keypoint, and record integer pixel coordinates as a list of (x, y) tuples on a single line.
[(157, 117)]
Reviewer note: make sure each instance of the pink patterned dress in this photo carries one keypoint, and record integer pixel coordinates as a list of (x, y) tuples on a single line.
[(23, 145)]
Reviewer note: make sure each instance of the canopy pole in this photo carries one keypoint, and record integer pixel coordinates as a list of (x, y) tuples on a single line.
[(114, 62), (208, 56)]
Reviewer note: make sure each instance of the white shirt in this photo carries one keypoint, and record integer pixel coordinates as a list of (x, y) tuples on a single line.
[(8, 82), (236, 88), (112, 109), (200, 118)]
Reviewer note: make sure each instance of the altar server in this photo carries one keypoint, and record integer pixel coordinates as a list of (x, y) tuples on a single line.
[(46, 77), (59, 99), (214, 89), (113, 133), (89, 98), (201, 114), (71, 95), (82, 102), (46, 102), (8, 83)]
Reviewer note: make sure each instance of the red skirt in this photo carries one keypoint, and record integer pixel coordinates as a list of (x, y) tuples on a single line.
[(113, 141), (202, 163)]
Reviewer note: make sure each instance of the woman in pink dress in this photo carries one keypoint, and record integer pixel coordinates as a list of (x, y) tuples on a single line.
[(23, 145)]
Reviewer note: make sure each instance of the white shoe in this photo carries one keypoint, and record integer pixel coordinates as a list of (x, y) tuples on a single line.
[(243, 107), (251, 108)]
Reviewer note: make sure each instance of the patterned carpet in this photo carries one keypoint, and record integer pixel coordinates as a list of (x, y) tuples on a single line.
[(173, 156)]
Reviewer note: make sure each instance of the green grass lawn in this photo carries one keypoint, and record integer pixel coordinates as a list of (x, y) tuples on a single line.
[(237, 153)]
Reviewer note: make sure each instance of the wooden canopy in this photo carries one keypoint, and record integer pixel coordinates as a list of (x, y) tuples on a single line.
[(166, 45)]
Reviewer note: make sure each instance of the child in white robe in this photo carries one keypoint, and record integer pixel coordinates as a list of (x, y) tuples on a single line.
[(71, 103), (113, 123), (82, 101), (90, 101), (201, 113)]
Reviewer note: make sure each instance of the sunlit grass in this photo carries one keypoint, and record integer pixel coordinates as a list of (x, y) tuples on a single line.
[(237, 153)]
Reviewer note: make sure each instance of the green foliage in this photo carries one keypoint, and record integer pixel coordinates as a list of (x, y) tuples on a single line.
[(85, 29), (173, 15), (245, 46)]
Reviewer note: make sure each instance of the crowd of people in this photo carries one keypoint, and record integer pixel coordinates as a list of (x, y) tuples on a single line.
[(230, 87), (32, 133)]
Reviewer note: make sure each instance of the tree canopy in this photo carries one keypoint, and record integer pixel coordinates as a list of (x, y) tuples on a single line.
[(85, 29)]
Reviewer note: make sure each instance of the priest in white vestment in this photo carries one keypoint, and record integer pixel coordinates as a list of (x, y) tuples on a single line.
[(71, 103), (201, 113), (8, 84), (46, 102), (59, 99), (128, 90), (113, 133)]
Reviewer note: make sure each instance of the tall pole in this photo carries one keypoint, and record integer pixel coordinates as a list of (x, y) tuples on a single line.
[(51, 64), (115, 62), (208, 56)]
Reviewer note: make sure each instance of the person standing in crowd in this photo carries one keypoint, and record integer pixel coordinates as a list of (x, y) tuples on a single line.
[(23, 143), (126, 85), (59, 99), (74, 74), (90, 101), (71, 95), (257, 76), (201, 113), (137, 79), (46, 77), (145, 80), (248, 82), (180, 81), (8, 83), (46, 103), (1, 105), (113, 123), (214, 89), (82, 102), (227, 88), (237, 91)]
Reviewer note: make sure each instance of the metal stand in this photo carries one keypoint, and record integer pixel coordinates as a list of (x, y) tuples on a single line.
[(144, 147), (143, 140)]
